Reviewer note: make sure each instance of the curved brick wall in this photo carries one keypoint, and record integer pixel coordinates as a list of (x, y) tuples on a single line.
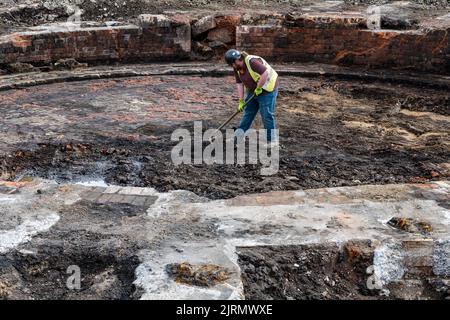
[(155, 38), (343, 40), (347, 41)]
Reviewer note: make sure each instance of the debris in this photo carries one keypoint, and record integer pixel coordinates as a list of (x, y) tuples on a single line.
[(20, 67), (69, 64), (410, 225), (19, 154), (203, 25), (222, 35), (435, 174), (64, 188), (26, 179), (13, 184), (205, 275), (217, 45), (8, 190), (202, 51)]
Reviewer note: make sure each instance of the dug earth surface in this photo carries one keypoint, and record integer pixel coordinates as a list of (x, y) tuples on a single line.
[(332, 133)]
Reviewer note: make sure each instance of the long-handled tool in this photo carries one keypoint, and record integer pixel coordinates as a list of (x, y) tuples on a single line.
[(232, 117)]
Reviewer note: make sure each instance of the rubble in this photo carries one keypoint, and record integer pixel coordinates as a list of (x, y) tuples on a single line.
[(203, 275), (411, 225), (203, 25), (69, 64), (19, 67)]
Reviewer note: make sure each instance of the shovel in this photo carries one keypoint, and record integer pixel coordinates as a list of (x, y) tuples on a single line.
[(231, 118)]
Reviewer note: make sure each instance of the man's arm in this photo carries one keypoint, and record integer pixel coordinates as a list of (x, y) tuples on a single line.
[(240, 90), (260, 68), (263, 79)]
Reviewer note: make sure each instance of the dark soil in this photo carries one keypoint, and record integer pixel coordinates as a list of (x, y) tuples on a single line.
[(322, 272), (105, 274), (143, 165), (89, 236), (309, 272)]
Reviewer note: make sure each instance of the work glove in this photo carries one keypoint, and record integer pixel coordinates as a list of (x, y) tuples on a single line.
[(241, 105), (258, 91)]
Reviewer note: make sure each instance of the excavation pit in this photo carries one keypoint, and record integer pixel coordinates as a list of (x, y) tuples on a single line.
[(333, 272), (65, 271), (87, 179), (333, 132)]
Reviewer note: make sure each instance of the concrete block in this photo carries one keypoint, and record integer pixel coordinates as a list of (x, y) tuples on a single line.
[(147, 192), (113, 189), (90, 196), (139, 200), (104, 198), (150, 201), (130, 191)]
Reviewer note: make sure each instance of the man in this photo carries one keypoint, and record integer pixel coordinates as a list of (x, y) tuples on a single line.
[(260, 80)]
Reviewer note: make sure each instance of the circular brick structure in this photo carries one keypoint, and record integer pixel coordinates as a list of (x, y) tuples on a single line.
[(87, 178)]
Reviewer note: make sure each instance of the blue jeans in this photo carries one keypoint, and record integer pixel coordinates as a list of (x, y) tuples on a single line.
[(265, 104)]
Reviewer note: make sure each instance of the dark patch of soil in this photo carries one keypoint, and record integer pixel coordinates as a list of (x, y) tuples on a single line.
[(307, 272), (144, 165), (425, 101), (44, 274), (107, 211)]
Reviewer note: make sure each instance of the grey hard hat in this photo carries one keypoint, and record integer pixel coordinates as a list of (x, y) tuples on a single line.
[(232, 55)]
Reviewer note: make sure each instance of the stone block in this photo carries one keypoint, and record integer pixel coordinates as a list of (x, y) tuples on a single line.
[(222, 34), (203, 25)]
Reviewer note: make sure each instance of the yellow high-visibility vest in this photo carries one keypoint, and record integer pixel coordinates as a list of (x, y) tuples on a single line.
[(273, 75)]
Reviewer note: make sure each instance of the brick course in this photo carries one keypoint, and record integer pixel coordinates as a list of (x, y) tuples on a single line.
[(156, 38), (341, 40), (345, 41)]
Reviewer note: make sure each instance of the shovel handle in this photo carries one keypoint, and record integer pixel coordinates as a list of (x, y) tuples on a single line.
[(235, 114)]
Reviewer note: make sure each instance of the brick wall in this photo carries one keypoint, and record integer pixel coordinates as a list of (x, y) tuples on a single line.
[(342, 40), (155, 38), (348, 42)]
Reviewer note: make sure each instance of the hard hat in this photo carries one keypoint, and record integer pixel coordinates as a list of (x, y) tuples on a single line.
[(232, 55)]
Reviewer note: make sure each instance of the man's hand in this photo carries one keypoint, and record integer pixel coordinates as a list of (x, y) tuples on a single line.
[(241, 105), (258, 91)]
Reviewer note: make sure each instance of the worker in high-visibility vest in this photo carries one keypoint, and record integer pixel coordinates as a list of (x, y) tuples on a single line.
[(261, 80)]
